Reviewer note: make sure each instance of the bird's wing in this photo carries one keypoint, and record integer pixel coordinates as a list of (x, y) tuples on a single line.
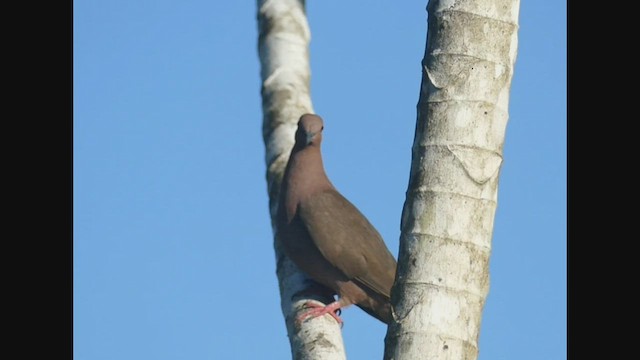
[(347, 240)]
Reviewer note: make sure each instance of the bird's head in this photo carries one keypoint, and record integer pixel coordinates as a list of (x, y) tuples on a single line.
[(309, 130)]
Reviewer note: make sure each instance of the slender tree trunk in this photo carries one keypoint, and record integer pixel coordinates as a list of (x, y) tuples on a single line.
[(447, 221), (283, 47)]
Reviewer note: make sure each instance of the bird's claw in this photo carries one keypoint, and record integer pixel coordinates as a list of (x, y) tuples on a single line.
[(316, 310)]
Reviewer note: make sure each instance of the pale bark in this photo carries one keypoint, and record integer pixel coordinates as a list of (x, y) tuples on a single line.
[(283, 47), (447, 221)]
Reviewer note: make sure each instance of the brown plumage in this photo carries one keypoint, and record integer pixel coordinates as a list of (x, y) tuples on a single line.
[(327, 236)]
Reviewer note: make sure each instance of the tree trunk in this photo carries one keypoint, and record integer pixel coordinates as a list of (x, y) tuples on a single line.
[(447, 221), (283, 46)]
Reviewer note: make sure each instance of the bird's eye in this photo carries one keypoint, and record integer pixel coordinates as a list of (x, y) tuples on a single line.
[(322, 128)]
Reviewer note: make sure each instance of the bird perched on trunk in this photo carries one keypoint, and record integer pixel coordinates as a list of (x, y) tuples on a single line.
[(327, 237)]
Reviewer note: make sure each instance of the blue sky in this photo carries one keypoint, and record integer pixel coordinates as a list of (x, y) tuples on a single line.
[(173, 254)]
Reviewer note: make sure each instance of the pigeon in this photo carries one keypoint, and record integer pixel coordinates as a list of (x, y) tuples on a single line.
[(327, 237)]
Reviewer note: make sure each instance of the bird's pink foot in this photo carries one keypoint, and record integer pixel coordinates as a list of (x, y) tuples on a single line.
[(319, 310)]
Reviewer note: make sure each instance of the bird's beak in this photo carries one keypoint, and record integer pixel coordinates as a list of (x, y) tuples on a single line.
[(310, 137)]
